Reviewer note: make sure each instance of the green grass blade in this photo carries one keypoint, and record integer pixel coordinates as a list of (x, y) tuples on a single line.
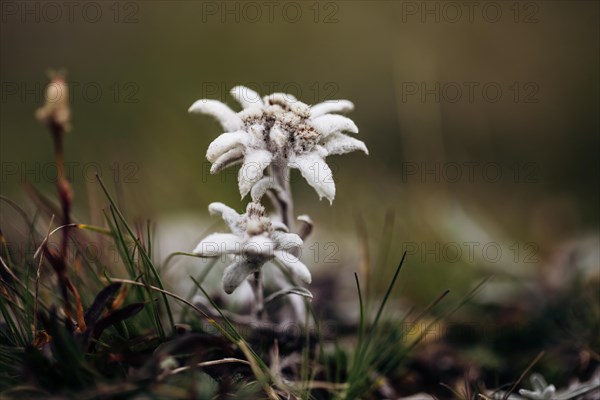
[(142, 251)]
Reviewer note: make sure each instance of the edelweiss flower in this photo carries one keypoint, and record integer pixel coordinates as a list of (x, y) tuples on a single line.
[(254, 240), (282, 131)]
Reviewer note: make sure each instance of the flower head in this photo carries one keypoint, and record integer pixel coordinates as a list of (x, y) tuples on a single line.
[(56, 112), (253, 241), (282, 131)]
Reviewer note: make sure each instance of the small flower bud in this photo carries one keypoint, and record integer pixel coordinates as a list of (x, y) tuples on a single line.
[(56, 112)]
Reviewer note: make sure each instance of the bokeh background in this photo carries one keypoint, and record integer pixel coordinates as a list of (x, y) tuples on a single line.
[(482, 121)]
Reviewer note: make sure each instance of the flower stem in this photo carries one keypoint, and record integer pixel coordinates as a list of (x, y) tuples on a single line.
[(62, 184), (281, 174), (257, 288), (282, 200), (65, 196)]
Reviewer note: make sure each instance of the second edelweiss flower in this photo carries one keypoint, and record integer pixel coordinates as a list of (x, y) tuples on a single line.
[(281, 131), (253, 241)]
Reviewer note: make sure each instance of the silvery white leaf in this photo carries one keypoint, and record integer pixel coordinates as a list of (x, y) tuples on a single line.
[(259, 245), (252, 169), (229, 215), (279, 226), (260, 188), (294, 265), (287, 241), (316, 172), (228, 159), (246, 97), (217, 244), (331, 106), (225, 142), (305, 218), (236, 273), (330, 123), (339, 143), (306, 227), (225, 115)]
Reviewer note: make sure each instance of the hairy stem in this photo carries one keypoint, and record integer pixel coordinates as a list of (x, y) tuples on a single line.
[(282, 200), (281, 174), (257, 288)]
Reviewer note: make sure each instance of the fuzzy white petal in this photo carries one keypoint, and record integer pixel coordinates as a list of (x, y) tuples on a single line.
[(225, 115), (339, 143), (306, 226), (287, 241), (280, 97), (320, 151), (294, 265), (279, 226), (316, 172), (259, 246), (331, 106), (225, 142), (228, 159), (246, 97), (229, 215), (237, 272), (305, 218), (261, 187), (252, 170), (330, 123), (217, 244)]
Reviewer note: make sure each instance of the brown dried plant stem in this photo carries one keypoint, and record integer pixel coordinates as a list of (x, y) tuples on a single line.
[(65, 197), (62, 184)]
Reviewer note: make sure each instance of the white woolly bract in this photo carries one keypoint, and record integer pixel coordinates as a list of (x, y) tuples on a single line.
[(225, 115), (339, 143), (331, 106), (317, 173), (252, 170), (225, 142), (294, 265), (330, 123)]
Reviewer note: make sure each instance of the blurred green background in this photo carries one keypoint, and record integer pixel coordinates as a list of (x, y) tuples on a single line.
[(499, 100)]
